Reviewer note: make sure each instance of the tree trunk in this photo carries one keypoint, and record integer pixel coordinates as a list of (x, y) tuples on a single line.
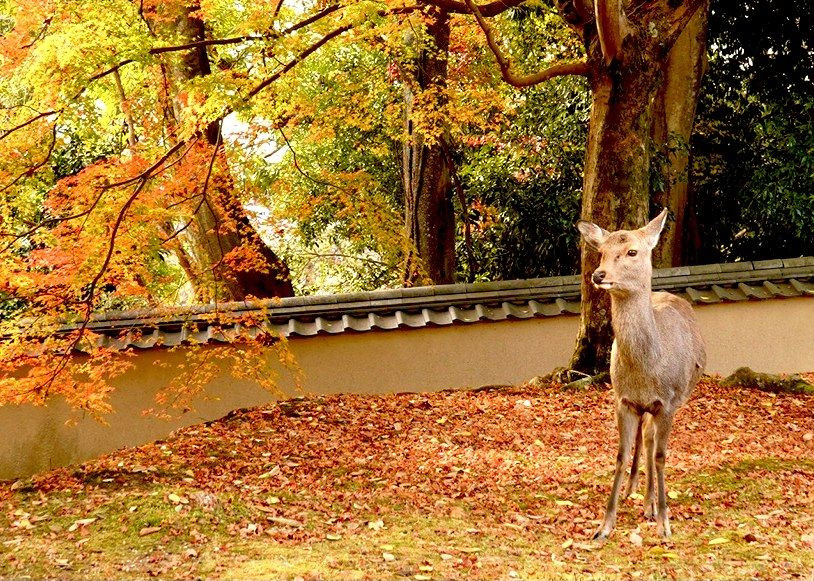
[(616, 180), (429, 209), (223, 248), (673, 120)]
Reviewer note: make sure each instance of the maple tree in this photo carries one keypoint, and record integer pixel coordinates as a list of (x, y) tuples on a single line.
[(122, 186), (123, 181)]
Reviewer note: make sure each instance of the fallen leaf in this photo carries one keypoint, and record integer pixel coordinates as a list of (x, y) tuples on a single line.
[(567, 543), (636, 538), (273, 472), (425, 568), (148, 531), (375, 525), (421, 577), (673, 494), (286, 522), (718, 541), (333, 537), (388, 557), (80, 523), (563, 503)]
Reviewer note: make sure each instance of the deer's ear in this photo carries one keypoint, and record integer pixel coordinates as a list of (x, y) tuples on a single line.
[(653, 229), (593, 234)]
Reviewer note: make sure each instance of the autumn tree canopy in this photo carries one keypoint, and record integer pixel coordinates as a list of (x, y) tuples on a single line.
[(135, 145), (156, 153)]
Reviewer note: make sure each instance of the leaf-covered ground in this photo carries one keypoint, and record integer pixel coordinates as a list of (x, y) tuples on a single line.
[(499, 483)]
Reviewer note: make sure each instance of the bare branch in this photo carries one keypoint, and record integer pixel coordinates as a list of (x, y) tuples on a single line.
[(125, 107), (612, 28), (111, 70), (555, 70), (152, 170), (276, 10), (311, 19)]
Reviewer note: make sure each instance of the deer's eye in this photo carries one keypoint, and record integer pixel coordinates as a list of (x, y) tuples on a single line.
[(632, 252)]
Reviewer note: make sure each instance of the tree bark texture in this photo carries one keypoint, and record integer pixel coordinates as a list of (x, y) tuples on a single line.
[(616, 178), (429, 209), (220, 227), (673, 121)]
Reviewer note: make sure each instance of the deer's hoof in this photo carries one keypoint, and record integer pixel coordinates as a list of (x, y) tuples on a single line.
[(650, 511), (601, 535), (663, 530)]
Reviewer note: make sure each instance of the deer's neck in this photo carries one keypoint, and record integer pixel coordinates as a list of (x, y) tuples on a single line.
[(634, 327)]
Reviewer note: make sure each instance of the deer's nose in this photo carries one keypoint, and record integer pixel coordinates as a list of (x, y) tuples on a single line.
[(598, 276)]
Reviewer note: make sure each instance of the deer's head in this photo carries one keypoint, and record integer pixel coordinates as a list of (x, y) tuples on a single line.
[(626, 265)]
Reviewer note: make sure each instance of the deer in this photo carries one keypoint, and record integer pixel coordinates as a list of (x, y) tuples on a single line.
[(657, 358)]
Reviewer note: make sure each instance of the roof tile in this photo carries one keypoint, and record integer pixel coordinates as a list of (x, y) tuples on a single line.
[(442, 305)]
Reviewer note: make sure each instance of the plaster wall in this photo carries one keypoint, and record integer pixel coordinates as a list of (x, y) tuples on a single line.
[(769, 335)]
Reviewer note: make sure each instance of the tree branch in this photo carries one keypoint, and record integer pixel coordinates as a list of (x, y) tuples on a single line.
[(681, 17), (30, 171), (238, 39), (298, 59), (6, 132), (487, 10), (612, 28), (555, 70)]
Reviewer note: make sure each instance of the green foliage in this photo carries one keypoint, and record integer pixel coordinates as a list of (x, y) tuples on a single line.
[(753, 147), (525, 179), (527, 187)]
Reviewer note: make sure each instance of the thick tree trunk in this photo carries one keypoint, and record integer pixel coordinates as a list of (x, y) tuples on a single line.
[(429, 210), (615, 183), (223, 248), (673, 120)]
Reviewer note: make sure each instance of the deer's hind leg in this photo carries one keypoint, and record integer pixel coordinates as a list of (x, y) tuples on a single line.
[(627, 421)]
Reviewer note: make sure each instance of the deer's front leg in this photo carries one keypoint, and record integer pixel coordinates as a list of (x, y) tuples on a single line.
[(663, 424), (627, 421), (649, 438), (633, 480)]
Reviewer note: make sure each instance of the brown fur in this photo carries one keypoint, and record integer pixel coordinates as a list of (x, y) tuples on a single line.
[(657, 358)]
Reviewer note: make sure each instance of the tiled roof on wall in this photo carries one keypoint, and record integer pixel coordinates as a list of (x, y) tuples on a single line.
[(438, 305)]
